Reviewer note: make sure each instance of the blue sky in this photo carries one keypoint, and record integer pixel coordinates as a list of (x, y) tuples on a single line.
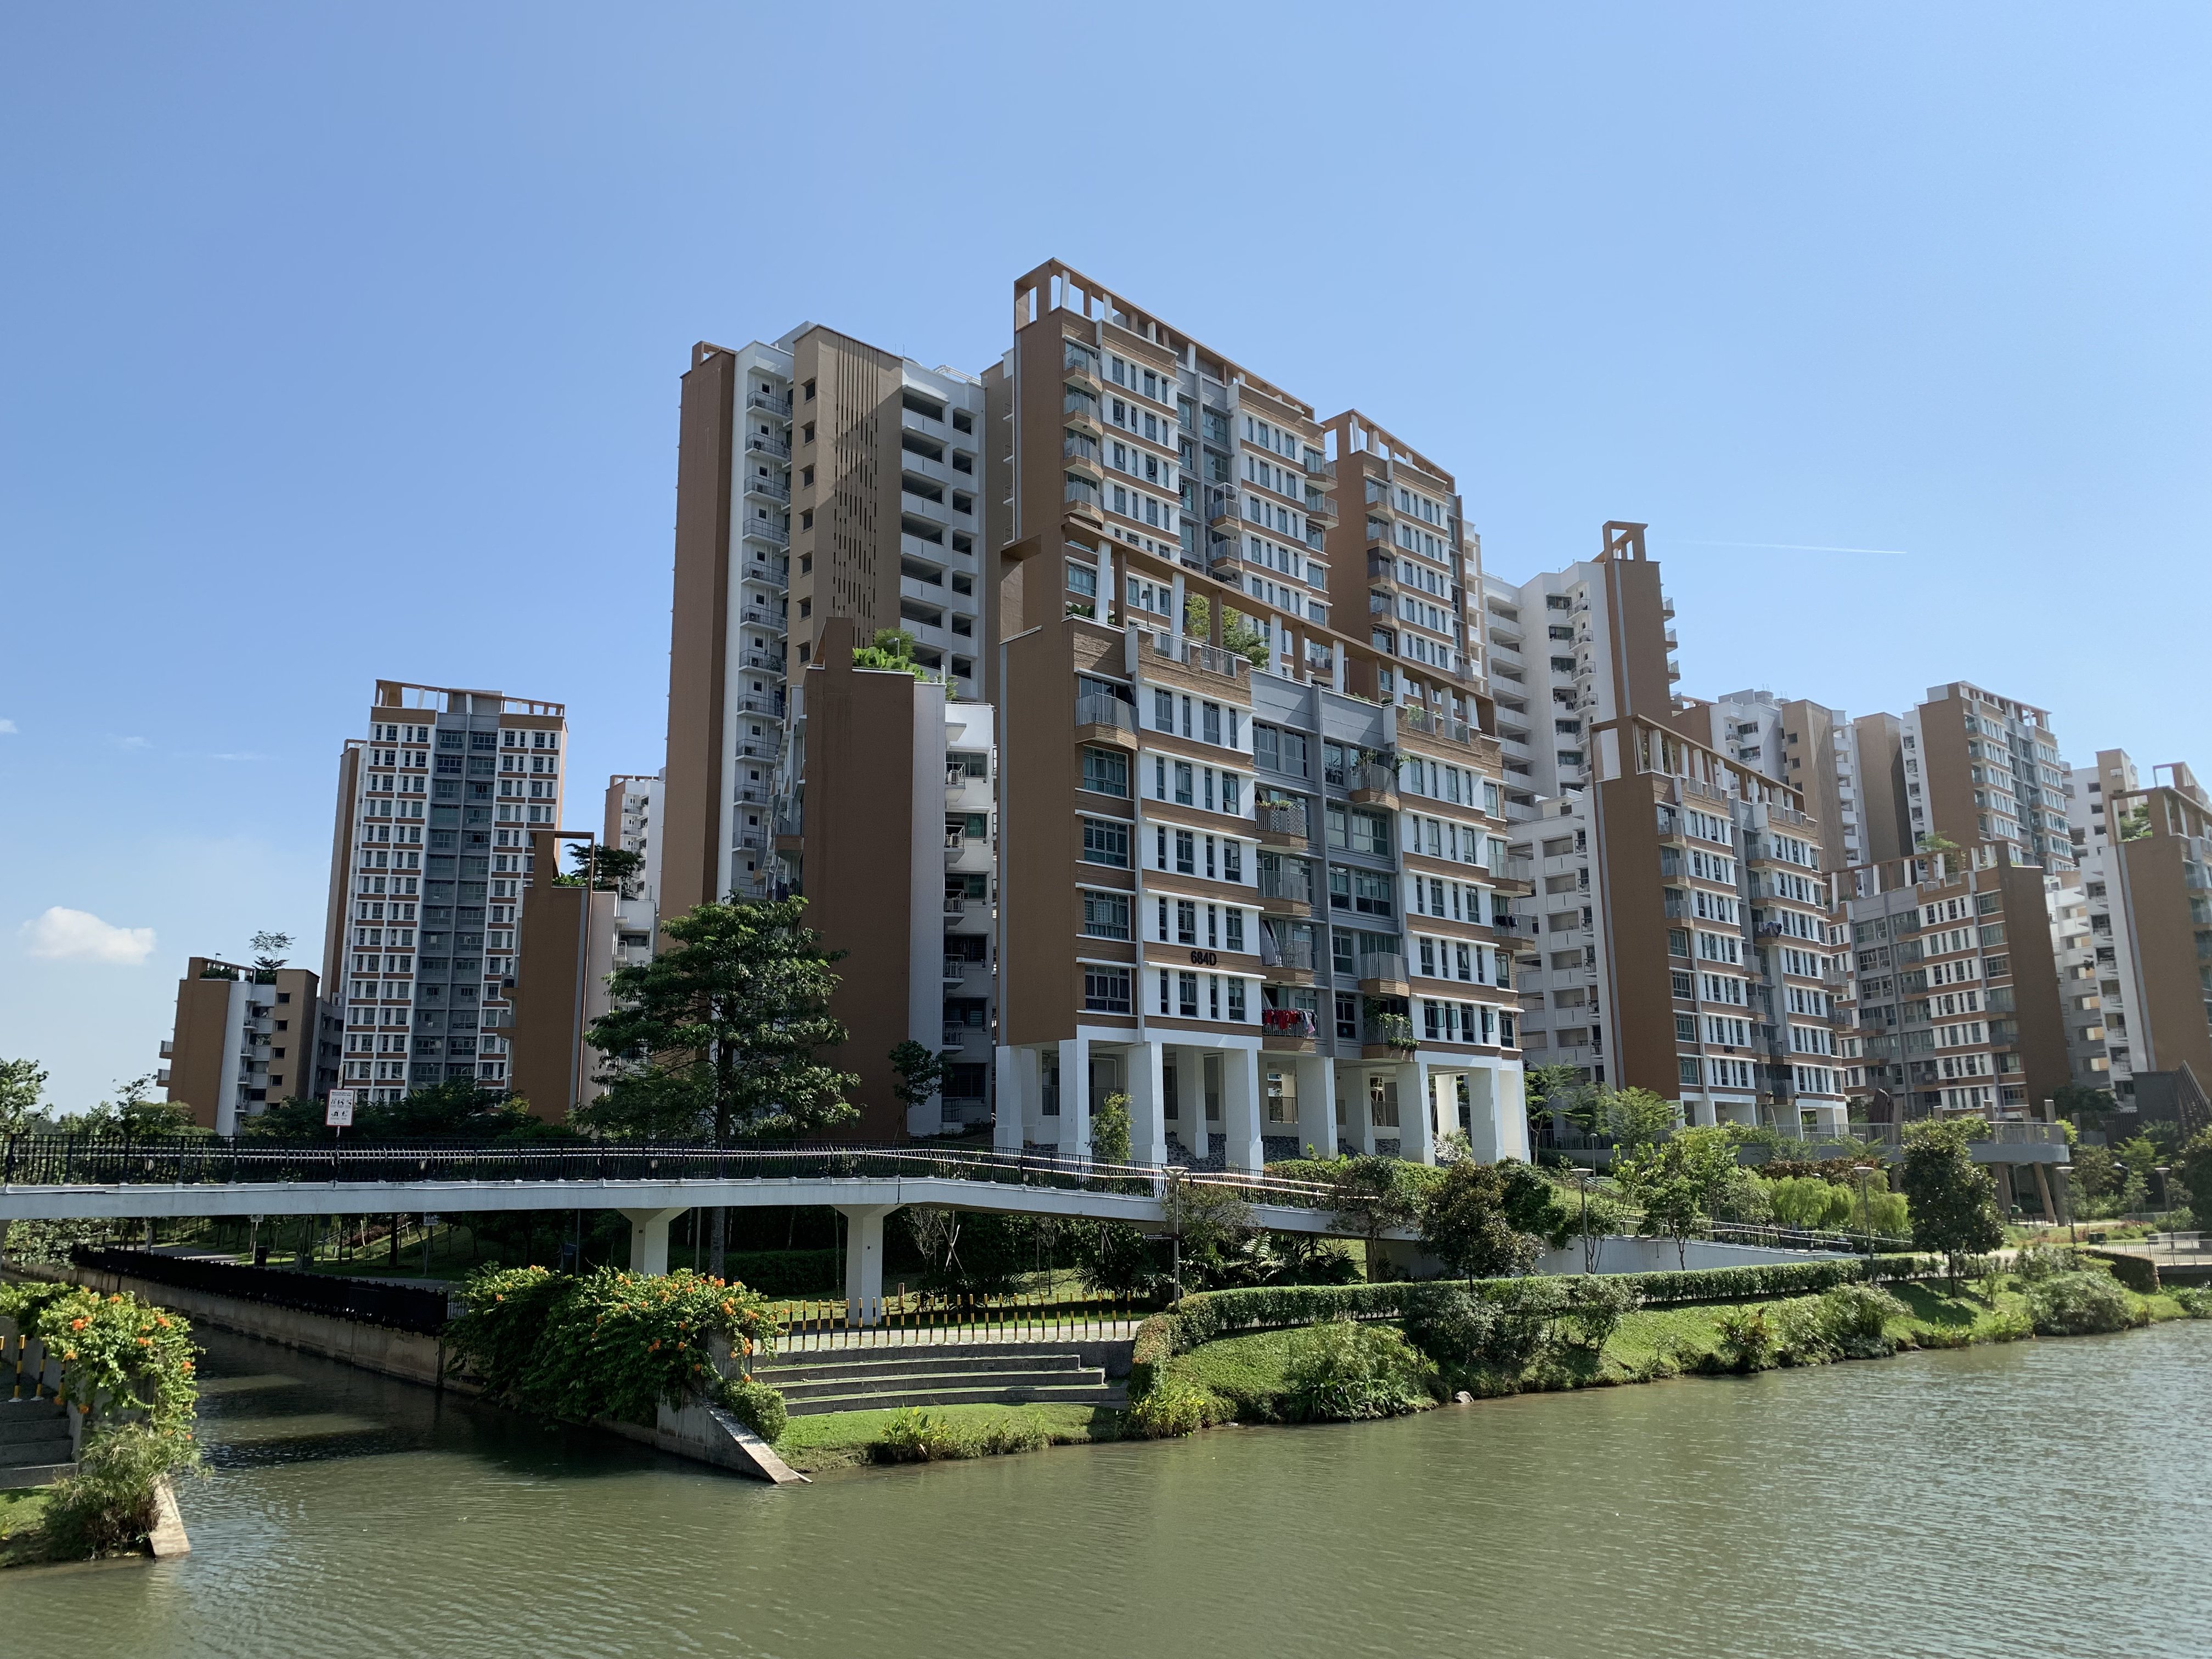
[(376, 314)]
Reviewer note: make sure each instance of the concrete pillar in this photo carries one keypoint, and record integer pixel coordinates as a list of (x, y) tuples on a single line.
[(1241, 1108), (648, 1239), (1110, 602), (1074, 1137), (1359, 1106), (863, 1262), (1147, 1089), (2042, 1190), (1020, 1088), (1417, 1112), (1174, 623), (1316, 1076)]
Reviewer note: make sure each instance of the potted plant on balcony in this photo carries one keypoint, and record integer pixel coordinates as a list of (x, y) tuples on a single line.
[(1393, 1031)]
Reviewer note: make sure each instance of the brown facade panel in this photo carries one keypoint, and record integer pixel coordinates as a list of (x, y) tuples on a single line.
[(549, 1068), (2173, 1016), (691, 818)]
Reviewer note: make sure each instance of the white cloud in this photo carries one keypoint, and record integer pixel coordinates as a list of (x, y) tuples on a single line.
[(65, 935), (6, 728)]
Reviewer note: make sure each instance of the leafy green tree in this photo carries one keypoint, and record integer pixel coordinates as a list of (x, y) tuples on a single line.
[(1212, 1223), (1557, 1087), (134, 1112), (1953, 1200), (271, 948), (716, 1037), (1680, 1180), (1466, 1222), (1630, 1117), (1109, 1130), (921, 1072), (603, 869), (2082, 1105), (2194, 1170), (23, 1086), (1371, 1195), (1535, 1206)]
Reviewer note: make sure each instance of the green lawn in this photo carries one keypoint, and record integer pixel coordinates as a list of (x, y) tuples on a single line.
[(20, 1512), (836, 1440)]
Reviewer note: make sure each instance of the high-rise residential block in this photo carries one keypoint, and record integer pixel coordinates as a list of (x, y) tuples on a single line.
[(1678, 938), (428, 860), (1965, 766), (1805, 744), (247, 1038), (1956, 986), (1253, 853), (2135, 928), (818, 477)]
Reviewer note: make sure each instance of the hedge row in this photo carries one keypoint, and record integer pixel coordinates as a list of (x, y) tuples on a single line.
[(1213, 1314)]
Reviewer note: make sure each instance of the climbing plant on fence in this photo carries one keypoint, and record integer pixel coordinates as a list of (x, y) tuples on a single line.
[(119, 1356), (610, 1344)]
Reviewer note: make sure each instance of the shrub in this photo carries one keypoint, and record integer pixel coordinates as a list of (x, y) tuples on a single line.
[(1856, 1317), (107, 1504), (2137, 1273), (1173, 1408), (1748, 1339), (2194, 1301), (914, 1435), (610, 1344), (1596, 1304), (1345, 1371), (2041, 1261), (1021, 1433), (2081, 1305), (755, 1405), (1468, 1332)]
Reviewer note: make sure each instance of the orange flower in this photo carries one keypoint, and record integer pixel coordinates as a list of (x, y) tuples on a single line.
[(79, 1324)]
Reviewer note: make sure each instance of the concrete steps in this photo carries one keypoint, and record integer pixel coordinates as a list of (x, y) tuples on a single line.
[(35, 1443), (877, 1379)]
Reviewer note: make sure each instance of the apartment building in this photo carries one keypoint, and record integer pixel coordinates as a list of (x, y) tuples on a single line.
[(1806, 745), (1677, 938), (247, 1036), (1956, 987), (1253, 856), (818, 477), (430, 857), (2135, 925), (1966, 766)]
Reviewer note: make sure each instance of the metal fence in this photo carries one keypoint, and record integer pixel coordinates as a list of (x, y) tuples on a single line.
[(918, 1319), (400, 1307), (104, 1161)]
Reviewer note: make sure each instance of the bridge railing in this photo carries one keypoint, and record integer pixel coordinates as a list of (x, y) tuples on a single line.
[(113, 1160)]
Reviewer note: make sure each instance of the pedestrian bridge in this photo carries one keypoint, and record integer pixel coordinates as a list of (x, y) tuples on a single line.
[(57, 1177)]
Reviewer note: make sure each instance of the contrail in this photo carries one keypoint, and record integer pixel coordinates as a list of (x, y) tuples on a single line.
[(1794, 547)]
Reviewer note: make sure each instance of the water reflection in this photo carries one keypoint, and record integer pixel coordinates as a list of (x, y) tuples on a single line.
[(1956, 1504)]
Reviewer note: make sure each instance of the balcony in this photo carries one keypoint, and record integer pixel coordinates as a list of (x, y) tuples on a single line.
[(1285, 893), (955, 969), (168, 1048), (1207, 659), (920, 467), (760, 443), (1286, 1030), (774, 403), (1101, 719), (1371, 785), (1286, 962), (759, 616), (1282, 826), (1382, 973), (766, 530), (768, 489)]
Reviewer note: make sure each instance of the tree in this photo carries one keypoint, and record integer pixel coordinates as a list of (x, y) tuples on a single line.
[(1197, 616), (920, 1073), (1465, 1223), (1954, 1201), (1371, 1195), (893, 648), (1557, 1087), (2194, 1167), (1535, 1204), (1211, 1222), (603, 869), (1109, 1130), (22, 1084), (1630, 1117), (1678, 1181), (717, 1035), (2082, 1105), (134, 1112), (1239, 635), (271, 947)]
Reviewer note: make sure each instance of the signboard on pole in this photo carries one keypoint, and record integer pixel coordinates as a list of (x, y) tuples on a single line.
[(338, 1112)]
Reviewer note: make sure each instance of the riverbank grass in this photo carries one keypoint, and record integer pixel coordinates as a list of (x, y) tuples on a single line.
[(21, 1509), (840, 1440)]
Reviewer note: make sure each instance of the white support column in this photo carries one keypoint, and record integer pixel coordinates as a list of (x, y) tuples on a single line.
[(1074, 1125), (1316, 1076), (1417, 1112), (863, 1262), (1485, 1129), (1019, 1091), (1359, 1106), (1148, 1127), (1174, 623), (1241, 1108), (1509, 1085), (648, 1239)]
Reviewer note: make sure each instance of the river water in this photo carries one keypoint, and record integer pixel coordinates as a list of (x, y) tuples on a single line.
[(2044, 1497)]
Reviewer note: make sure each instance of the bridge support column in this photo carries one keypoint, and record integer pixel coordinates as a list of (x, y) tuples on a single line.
[(1241, 1108), (863, 1262), (1148, 1123), (1316, 1075), (648, 1239)]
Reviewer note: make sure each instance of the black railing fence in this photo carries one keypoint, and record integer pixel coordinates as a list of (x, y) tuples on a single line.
[(401, 1307), (109, 1161)]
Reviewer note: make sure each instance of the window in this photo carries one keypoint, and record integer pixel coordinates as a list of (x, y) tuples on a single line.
[(1686, 1025), (1106, 842), (1187, 995), (1678, 942), (1106, 915), (1689, 1070), (1082, 579), (1106, 772), (1106, 990)]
